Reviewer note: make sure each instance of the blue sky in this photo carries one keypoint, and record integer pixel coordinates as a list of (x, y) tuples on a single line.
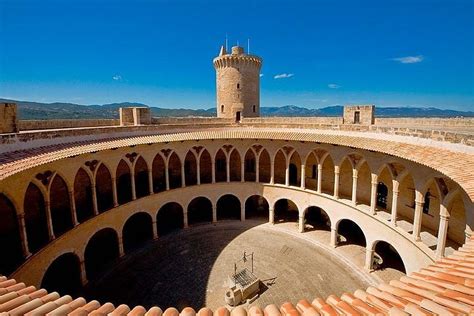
[(390, 53)]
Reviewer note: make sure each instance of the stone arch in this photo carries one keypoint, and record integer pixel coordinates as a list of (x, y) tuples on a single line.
[(235, 165), (316, 218), (279, 167), (60, 206), (83, 196), (384, 189), (406, 199), (137, 230), (285, 211), (221, 166), (327, 179), (104, 188), (350, 233), (391, 258), (250, 166), (256, 206), (35, 218), (102, 249), (311, 172), (158, 173), (141, 178), (190, 169), (364, 183), (169, 218), (199, 211), (10, 241), (345, 178), (457, 219), (294, 166), (205, 167), (63, 275), (228, 207), (264, 167), (124, 182), (174, 171)]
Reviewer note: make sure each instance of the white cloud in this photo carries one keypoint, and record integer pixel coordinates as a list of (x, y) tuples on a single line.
[(333, 86), (261, 75), (117, 78), (409, 59), (282, 76)]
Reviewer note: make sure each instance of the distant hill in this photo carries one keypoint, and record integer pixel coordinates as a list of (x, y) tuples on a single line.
[(41, 111)]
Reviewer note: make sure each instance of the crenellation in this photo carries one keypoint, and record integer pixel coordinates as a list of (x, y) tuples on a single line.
[(8, 118)]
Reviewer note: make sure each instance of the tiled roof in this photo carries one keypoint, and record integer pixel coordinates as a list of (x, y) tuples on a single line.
[(447, 160), (443, 288)]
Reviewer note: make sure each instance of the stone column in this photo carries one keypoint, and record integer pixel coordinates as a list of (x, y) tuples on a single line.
[(333, 242), (271, 215), (155, 230), (272, 171), (95, 206), (185, 219), (336, 182), (198, 170), (355, 177), (183, 176), (373, 194), (72, 207), (442, 231), (214, 213), (369, 256), (303, 176), (227, 168), (393, 217), (114, 191), (49, 220), (150, 182), (242, 211), (320, 177), (167, 176), (287, 174), (242, 170), (134, 191), (213, 171), (120, 244), (83, 272), (23, 235), (301, 223), (257, 170), (418, 214)]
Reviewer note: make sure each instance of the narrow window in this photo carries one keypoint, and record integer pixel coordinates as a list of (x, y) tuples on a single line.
[(254, 109), (238, 86), (222, 108), (314, 174)]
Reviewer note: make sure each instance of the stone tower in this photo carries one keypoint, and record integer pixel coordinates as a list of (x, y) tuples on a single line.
[(238, 84)]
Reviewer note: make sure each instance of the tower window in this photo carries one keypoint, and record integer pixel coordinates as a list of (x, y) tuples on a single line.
[(222, 108), (254, 109), (238, 86)]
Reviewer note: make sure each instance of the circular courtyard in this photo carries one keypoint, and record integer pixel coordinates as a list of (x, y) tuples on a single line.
[(191, 267)]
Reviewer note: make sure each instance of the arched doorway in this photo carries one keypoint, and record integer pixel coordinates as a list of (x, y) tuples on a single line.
[(285, 211), (345, 179), (382, 194), (35, 218), (10, 242), (221, 167), (294, 169), (104, 189), (169, 218), (158, 172), (124, 183), (350, 233), (279, 166), (228, 208), (83, 196), (60, 206), (138, 229), (317, 219), (101, 250), (256, 207), (141, 178), (264, 167), (311, 180), (235, 166), (250, 166), (205, 167), (364, 180), (390, 257), (199, 211), (174, 171), (190, 169), (63, 275), (327, 179)]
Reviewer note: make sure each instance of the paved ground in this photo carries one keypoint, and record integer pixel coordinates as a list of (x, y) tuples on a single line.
[(190, 267)]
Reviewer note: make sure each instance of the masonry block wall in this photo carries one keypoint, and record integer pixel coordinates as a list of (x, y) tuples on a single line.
[(359, 114), (8, 118)]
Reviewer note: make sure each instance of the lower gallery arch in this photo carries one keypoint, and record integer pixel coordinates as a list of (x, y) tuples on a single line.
[(199, 211), (256, 206), (104, 189), (285, 211), (169, 218), (63, 275), (83, 196), (350, 233), (101, 250), (228, 207), (10, 243), (35, 218), (60, 207), (316, 219), (138, 229), (390, 258)]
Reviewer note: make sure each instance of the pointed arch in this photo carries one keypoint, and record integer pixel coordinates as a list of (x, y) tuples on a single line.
[(406, 198), (221, 166), (384, 190), (279, 167), (295, 169), (364, 180), (10, 241), (327, 181), (158, 172), (141, 178), (264, 167), (311, 173), (35, 218), (174, 171), (190, 169), (235, 166), (104, 189), (124, 183), (345, 179), (60, 206), (250, 166), (83, 196), (205, 167)]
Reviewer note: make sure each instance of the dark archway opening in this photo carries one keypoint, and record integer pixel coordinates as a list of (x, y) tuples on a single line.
[(63, 276), (221, 167), (158, 172), (350, 233), (279, 168), (199, 211), (285, 211), (205, 167), (293, 174), (250, 166), (169, 218), (138, 229), (104, 189), (235, 166), (35, 219), (10, 242), (83, 196), (124, 183), (382, 193), (141, 178), (101, 250), (264, 167), (60, 207), (190, 169), (390, 257), (174, 171), (228, 208), (256, 207), (317, 219)]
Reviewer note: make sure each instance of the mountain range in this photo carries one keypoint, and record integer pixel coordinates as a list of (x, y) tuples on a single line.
[(40, 111)]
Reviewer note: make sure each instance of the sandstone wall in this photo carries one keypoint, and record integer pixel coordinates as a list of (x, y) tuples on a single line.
[(54, 124)]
